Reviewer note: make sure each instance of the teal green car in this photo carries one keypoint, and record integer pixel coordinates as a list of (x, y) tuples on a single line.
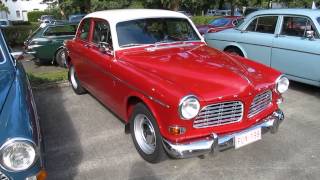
[(46, 43)]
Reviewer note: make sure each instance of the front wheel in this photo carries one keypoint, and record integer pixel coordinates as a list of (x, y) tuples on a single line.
[(146, 134), (75, 83), (60, 58)]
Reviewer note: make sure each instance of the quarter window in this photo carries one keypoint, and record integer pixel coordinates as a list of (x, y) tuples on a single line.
[(84, 29), (101, 33), (265, 24), (296, 26)]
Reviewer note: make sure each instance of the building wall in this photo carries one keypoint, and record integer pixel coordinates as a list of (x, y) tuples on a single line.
[(19, 9)]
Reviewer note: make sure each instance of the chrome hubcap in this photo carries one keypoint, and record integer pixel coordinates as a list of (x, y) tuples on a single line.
[(73, 78), (144, 133), (63, 57)]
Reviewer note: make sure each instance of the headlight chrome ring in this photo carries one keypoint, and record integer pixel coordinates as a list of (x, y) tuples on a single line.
[(18, 154), (282, 84), (189, 107)]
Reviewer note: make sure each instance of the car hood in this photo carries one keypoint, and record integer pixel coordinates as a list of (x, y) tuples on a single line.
[(6, 79), (199, 70)]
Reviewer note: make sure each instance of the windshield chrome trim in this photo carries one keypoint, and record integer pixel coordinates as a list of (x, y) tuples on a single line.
[(165, 46), (2, 50)]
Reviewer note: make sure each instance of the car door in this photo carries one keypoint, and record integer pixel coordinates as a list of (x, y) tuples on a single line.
[(55, 36), (99, 59), (293, 53), (79, 52), (257, 37)]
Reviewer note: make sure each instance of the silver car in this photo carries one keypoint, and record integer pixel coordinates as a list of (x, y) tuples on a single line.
[(285, 39)]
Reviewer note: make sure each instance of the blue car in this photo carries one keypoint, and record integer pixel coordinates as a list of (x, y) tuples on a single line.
[(285, 39), (20, 138)]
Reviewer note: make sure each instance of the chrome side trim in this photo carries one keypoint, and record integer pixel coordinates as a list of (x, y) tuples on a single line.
[(215, 143)]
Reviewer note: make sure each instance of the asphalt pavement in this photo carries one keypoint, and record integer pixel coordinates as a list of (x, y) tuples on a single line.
[(84, 140)]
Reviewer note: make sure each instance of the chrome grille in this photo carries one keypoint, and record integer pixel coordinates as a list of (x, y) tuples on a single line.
[(219, 114), (260, 103), (3, 176)]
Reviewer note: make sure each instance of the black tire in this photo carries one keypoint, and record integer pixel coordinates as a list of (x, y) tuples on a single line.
[(75, 83), (158, 154), (234, 51), (60, 58)]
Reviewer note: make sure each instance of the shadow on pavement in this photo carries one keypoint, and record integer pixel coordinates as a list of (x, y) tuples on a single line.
[(63, 151), (311, 90)]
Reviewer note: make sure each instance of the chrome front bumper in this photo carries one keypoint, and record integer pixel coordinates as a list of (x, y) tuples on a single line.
[(215, 143)]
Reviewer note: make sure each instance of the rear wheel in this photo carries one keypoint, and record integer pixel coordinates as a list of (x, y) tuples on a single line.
[(234, 51), (75, 83), (60, 58), (146, 134)]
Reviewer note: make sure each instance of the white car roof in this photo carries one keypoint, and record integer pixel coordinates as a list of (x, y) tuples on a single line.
[(115, 16), (121, 15)]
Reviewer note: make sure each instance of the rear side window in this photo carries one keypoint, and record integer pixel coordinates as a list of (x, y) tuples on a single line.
[(61, 30), (265, 24), (296, 26), (84, 29)]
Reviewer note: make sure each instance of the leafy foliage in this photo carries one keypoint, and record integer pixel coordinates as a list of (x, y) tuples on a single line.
[(16, 35)]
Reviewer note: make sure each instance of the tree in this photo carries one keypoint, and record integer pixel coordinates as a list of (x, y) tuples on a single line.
[(5, 9)]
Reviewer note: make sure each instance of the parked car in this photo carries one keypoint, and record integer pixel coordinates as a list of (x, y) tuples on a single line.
[(211, 12), (175, 94), (46, 44), (220, 24), (46, 18), (21, 154), (76, 18), (4, 23), (284, 39), (227, 13)]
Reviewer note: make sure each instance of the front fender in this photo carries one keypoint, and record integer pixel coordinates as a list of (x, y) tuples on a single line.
[(19, 119)]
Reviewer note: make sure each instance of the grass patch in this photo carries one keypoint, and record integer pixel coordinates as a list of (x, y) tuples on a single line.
[(37, 79)]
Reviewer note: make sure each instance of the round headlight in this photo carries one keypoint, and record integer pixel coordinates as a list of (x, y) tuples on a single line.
[(189, 107), (17, 155), (282, 84)]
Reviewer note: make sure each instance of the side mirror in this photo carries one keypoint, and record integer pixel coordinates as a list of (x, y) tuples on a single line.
[(18, 55), (310, 34)]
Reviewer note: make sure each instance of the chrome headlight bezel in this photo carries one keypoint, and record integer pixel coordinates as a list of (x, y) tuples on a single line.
[(14, 142), (282, 81), (181, 109)]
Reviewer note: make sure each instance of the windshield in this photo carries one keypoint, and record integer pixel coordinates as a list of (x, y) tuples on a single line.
[(155, 30), (220, 22)]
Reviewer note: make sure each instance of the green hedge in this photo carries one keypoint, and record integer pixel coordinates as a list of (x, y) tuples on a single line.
[(33, 16), (16, 35), (200, 20)]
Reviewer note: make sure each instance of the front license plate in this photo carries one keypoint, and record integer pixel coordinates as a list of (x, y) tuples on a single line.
[(247, 138)]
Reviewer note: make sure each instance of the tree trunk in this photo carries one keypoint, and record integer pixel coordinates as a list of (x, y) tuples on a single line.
[(232, 7), (174, 5), (221, 3)]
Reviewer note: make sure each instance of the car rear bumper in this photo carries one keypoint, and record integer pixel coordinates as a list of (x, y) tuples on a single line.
[(215, 143)]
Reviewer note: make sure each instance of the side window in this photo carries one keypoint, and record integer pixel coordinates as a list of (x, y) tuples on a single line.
[(84, 29), (296, 26), (102, 33), (60, 31), (265, 24)]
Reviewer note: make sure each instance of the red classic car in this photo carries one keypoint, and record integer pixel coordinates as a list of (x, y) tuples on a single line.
[(174, 93), (220, 24)]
